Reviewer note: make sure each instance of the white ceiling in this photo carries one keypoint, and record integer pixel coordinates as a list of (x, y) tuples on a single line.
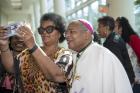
[(6, 7)]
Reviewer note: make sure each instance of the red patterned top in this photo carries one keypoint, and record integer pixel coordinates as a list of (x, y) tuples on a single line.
[(135, 44)]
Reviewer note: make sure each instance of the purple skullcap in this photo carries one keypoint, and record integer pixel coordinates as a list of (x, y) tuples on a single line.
[(87, 25)]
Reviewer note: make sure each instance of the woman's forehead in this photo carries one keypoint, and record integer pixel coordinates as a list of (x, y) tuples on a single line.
[(47, 23), (74, 25)]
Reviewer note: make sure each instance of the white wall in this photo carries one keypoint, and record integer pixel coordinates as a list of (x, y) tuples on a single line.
[(122, 8), (137, 19)]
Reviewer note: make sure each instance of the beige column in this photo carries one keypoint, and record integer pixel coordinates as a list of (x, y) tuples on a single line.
[(3, 18), (32, 14), (59, 7), (122, 8), (43, 6), (36, 9)]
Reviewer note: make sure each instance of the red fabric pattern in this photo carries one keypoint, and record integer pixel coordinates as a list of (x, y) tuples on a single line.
[(135, 44)]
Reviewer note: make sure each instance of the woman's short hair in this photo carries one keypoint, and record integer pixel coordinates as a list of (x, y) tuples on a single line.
[(58, 22)]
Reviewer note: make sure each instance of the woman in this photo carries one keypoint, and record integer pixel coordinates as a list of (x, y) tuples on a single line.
[(123, 27), (8, 79), (128, 34), (46, 69)]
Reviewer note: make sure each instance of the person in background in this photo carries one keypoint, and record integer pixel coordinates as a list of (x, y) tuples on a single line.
[(44, 69), (131, 38), (8, 79), (115, 44), (128, 34), (96, 69)]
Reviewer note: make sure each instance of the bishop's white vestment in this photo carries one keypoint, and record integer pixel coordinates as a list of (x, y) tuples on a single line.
[(99, 71)]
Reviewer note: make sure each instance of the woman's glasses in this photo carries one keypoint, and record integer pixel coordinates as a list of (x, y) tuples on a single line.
[(48, 29)]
